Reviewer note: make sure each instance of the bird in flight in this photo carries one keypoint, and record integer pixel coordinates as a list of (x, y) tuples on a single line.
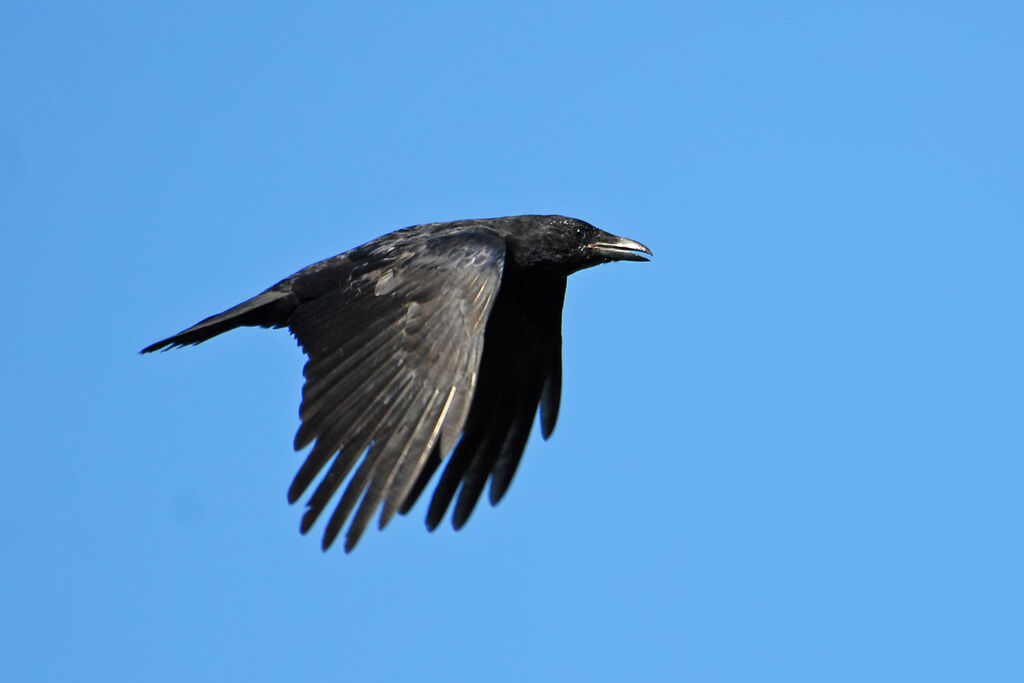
[(433, 344)]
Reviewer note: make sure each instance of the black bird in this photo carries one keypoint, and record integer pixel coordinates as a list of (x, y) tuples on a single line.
[(415, 339)]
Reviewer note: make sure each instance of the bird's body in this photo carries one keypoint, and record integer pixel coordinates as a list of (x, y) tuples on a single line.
[(435, 339)]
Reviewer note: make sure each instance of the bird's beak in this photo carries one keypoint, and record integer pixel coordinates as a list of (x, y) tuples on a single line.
[(619, 248)]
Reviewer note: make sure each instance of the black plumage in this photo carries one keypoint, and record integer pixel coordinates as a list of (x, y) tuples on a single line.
[(437, 339)]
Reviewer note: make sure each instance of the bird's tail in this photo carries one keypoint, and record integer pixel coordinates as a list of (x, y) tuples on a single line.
[(272, 308)]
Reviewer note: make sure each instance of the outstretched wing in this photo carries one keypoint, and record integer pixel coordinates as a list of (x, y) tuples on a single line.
[(521, 368), (394, 331)]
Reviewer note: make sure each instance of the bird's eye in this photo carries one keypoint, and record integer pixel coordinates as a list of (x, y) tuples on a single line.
[(579, 232)]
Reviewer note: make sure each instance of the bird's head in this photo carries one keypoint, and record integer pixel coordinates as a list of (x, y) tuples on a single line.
[(561, 245)]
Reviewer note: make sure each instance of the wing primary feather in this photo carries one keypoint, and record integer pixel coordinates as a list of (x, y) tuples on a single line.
[(339, 469), (341, 466), (357, 387), (475, 477), (524, 411), (451, 477), (402, 440), (482, 412), (410, 464), (423, 478), (363, 476), (550, 398), (324, 372), (319, 425), (348, 501), (503, 414), (512, 449), (337, 435), (322, 354), (461, 369)]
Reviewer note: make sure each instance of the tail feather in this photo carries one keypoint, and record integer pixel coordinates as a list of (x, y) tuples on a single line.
[(272, 308)]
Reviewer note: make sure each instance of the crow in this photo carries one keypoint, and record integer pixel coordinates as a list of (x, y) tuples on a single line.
[(437, 339)]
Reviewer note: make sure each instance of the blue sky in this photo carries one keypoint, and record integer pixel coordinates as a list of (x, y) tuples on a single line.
[(789, 447)]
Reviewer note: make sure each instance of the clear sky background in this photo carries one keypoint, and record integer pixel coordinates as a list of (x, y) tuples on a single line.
[(790, 448)]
